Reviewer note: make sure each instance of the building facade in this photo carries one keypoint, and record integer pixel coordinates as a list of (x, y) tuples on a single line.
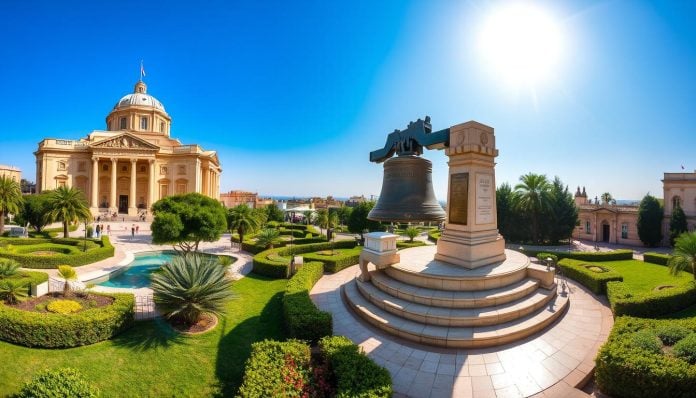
[(606, 222), (130, 165), (236, 198), (679, 189), (13, 173)]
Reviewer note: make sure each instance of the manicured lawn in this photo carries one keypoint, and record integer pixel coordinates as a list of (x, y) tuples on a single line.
[(642, 277), (151, 360)]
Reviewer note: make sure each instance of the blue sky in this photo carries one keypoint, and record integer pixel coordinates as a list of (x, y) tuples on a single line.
[(294, 95)]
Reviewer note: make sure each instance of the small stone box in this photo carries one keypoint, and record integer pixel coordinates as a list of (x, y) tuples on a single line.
[(380, 242), (380, 250)]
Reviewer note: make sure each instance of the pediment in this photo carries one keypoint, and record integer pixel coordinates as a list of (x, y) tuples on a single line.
[(124, 141)]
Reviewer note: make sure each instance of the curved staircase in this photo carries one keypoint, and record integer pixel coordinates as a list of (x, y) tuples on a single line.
[(436, 303)]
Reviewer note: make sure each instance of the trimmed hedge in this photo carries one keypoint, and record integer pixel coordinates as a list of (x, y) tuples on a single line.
[(23, 241), (657, 258), (434, 235), (595, 281), (264, 374), (303, 320), (626, 370), (33, 329), (650, 304), (279, 269), (356, 374), (32, 278), (101, 249), (338, 262), (614, 255), (402, 244)]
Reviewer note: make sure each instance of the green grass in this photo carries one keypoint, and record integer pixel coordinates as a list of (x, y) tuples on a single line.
[(643, 277), (151, 360)]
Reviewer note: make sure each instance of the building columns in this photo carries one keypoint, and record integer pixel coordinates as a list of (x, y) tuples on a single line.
[(132, 207), (152, 185), (95, 184), (113, 206), (198, 177)]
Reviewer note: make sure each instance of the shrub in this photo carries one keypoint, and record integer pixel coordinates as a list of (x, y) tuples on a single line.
[(279, 269), (434, 235), (226, 261), (303, 320), (595, 281), (400, 244), (670, 334), (48, 330), (656, 258), (58, 383), (266, 367), (336, 262), (63, 306), (615, 255), (686, 349), (8, 267), (12, 290), (29, 278), (646, 340), (650, 304), (356, 374), (70, 252), (544, 256)]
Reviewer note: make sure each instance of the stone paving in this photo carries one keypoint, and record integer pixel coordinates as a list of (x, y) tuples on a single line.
[(549, 364)]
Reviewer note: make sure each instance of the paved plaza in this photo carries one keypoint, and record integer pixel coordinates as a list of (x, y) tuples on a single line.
[(550, 364)]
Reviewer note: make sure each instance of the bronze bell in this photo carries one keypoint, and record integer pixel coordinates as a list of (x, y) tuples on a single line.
[(407, 192)]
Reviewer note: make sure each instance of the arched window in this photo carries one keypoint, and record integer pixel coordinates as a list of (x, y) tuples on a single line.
[(676, 202), (143, 123), (161, 127), (123, 123)]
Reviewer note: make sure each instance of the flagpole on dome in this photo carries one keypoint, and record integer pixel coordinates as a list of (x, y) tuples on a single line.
[(142, 70)]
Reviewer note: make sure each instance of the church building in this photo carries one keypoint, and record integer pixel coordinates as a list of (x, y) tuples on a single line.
[(130, 165)]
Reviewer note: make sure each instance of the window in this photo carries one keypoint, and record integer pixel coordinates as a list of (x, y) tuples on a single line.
[(123, 123), (180, 188), (161, 127), (676, 202), (164, 190), (61, 165), (105, 167), (124, 168), (143, 169), (587, 228), (143, 123), (81, 166), (624, 231), (163, 170)]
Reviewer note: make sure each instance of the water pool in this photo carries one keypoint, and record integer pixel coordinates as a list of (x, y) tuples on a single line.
[(137, 274)]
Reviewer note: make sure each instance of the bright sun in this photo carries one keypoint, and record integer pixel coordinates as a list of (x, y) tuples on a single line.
[(521, 43)]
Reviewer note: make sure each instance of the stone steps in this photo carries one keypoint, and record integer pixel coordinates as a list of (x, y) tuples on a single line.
[(454, 299), (454, 336), (480, 316)]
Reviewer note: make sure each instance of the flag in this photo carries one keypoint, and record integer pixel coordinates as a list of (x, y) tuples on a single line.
[(142, 70), (682, 167)]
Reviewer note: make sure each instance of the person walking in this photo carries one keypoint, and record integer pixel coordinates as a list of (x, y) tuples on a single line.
[(98, 231), (137, 229), (108, 229), (132, 231)]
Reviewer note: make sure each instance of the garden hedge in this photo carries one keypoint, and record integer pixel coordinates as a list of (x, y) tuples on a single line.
[(356, 374), (657, 258), (614, 255), (434, 235), (402, 244), (266, 373), (650, 304), (70, 252), (595, 281), (338, 262), (624, 369), (34, 329), (32, 278), (279, 269), (303, 320)]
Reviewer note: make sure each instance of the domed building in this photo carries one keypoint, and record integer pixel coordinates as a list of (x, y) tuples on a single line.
[(130, 165)]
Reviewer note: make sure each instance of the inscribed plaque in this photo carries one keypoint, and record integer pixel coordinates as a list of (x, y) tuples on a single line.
[(459, 198), (484, 199)]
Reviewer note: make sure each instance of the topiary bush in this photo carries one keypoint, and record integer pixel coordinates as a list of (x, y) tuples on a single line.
[(670, 334), (64, 307), (303, 320), (336, 262), (657, 258), (356, 374), (646, 340), (401, 244), (276, 369), (279, 268), (543, 256), (651, 304), (33, 329), (68, 251), (595, 281), (58, 383), (686, 349)]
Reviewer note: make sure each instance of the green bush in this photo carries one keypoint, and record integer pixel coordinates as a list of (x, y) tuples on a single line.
[(646, 340), (670, 334), (686, 349), (543, 256), (344, 259), (595, 281), (656, 258), (356, 374), (33, 329), (303, 320), (623, 370), (615, 255), (279, 269), (401, 244), (434, 235), (71, 252), (58, 383), (264, 370), (649, 304)]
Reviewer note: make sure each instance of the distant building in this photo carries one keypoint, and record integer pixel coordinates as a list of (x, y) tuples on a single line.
[(13, 173), (355, 200), (236, 198), (679, 189), (325, 203)]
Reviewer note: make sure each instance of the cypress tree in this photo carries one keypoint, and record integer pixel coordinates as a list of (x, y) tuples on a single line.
[(677, 224), (650, 221)]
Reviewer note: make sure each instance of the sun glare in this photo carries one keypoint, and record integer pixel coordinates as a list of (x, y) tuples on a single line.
[(521, 44)]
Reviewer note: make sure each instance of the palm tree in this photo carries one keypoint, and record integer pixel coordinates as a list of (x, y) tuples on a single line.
[(684, 256), (268, 237), (68, 205), (411, 232), (68, 274), (307, 216), (607, 198), (8, 268), (10, 199), (243, 219), (13, 291), (532, 195), (190, 286), (322, 219)]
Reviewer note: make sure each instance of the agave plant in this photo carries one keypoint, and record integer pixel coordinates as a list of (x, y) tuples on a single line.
[(8, 268), (13, 291), (268, 237), (68, 274), (411, 232), (189, 286)]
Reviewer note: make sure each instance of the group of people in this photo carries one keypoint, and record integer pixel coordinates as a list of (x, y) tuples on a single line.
[(100, 230)]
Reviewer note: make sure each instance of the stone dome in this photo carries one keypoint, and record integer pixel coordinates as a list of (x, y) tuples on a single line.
[(139, 98)]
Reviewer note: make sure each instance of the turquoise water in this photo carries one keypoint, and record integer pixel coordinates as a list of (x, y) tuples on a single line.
[(138, 272)]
